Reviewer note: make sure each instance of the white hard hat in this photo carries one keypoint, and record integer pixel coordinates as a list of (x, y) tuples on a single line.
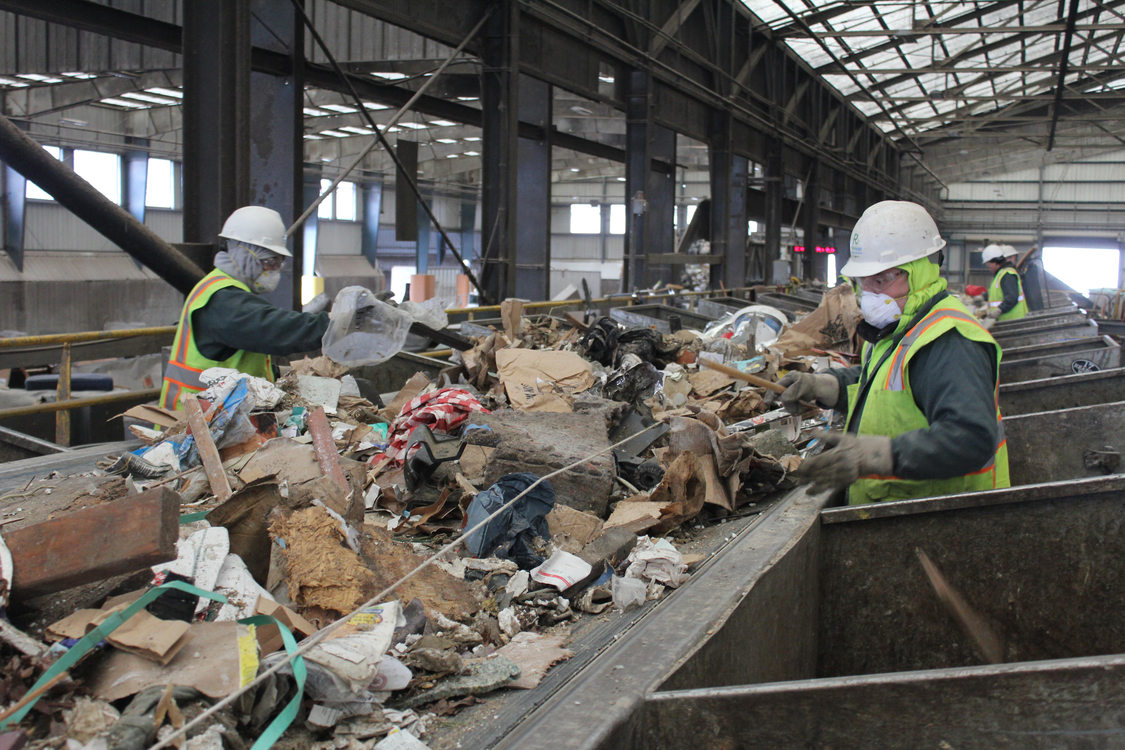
[(257, 225), (1010, 251), (889, 234), (994, 252)]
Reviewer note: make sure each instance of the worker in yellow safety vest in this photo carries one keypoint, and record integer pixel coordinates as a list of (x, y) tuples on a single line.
[(922, 412), (1005, 293), (225, 323)]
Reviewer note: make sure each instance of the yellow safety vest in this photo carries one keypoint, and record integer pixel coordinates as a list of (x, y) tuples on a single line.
[(996, 295), (890, 409), (181, 378)]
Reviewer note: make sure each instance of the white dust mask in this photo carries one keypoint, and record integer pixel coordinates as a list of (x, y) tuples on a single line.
[(267, 281), (878, 309)]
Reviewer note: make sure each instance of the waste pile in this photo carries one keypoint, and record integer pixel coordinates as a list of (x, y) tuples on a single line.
[(311, 564)]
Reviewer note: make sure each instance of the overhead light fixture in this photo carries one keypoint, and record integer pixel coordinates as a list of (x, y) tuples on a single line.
[(357, 130), (442, 123), (472, 153), (389, 76), (174, 93), (395, 129), (412, 125), (575, 169), (446, 140), (5, 81), (580, 110), (72, 122), (605, 79), (467, 98), (334, 133), (472, 138), (124, 103), (314, 112), (452, 156), (313, 137), (80, 76), (341, 108), (375, 106), (141, 97), (39, 78), (621, 179)]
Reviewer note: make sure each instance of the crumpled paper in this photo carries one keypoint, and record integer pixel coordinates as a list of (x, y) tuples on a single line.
[(220, 381), (658, 561)]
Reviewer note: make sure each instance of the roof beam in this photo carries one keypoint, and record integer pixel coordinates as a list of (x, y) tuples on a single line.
[(671, 26), (1064, 61), (1009, 31)]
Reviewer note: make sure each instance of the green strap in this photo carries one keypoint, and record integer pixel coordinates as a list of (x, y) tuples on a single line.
[(282, 721), (98, 634), (187, 518)]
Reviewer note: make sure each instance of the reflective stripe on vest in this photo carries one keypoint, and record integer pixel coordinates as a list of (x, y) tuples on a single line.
[(895, 373), (1000, 302)]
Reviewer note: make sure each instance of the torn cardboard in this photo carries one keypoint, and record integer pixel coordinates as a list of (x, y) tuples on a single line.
[(539, 380)]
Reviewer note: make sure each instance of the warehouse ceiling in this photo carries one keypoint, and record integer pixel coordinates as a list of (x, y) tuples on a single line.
[(971, 86)]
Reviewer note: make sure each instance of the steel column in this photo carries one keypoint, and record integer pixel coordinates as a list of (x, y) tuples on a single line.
[(14, 207), (372, 206), (422, 240), (135, 175), (650, 196), (728, 208), (812, 264), (310, 230), (216, 114), (276, 145), (775, 192), (533, 194), (500, 148)]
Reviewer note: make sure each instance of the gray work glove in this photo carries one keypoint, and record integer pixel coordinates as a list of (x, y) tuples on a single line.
[(988, 322), (805, 386), (993, 312), (848, 458)]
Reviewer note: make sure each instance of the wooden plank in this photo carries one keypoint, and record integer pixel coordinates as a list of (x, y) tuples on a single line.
[(325, 448), (94, 543), (208, 453)]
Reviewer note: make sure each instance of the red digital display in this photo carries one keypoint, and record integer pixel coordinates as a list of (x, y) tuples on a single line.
[(818, 248)]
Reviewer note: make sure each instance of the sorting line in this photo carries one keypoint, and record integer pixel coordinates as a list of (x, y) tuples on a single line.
[(323, 633)]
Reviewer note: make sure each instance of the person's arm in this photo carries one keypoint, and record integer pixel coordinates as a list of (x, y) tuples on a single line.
[(233, 319), (1010, 286), (953, 383)]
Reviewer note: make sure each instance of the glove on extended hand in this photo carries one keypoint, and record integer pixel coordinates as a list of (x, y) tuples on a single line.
[(994, 312), (804, 386), (848, 458)]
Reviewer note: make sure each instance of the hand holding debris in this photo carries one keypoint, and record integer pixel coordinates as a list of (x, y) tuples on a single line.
[(848, 458), (363, 330), (804, 386)]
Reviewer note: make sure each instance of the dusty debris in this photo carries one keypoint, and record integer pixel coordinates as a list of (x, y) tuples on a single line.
[(534, 654)]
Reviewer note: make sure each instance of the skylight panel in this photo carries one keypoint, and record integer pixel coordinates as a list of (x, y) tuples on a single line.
[(125, 103)]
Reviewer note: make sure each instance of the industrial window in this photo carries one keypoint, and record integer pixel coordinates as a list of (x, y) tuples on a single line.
[(617, 218), (102, 170), (33, 191), (342, 205), (585, 218), (1083, 268), (160, 184)]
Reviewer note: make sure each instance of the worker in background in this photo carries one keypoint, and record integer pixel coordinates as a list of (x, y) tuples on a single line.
[(225, 323), (1005, 293), (922, 411)]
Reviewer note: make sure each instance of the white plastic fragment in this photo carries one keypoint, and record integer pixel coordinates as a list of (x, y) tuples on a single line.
[(561, 570), (658, 561), (509, 623)]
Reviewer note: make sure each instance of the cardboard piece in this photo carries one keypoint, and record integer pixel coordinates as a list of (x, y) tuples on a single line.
[(214, 664), (154, 415), (244, 516), (418, 382), (684, 489), (511, 315), (572, 529), (636, 516), (534, 654), (831, 325), (708, 382), (142, 634), (539, 380), (269, 637), (282, 458)]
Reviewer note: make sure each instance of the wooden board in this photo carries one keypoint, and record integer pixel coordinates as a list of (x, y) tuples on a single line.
[(107, 540)]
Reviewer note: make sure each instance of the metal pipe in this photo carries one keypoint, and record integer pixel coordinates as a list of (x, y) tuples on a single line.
[(51, 339), (28, 158), (77, 403)]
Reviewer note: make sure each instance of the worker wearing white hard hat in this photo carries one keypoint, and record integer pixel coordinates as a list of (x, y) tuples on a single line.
[(1006, 299), (225, 323), (922, 414)]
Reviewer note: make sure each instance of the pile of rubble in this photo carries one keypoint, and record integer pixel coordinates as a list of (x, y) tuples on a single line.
[(306, 562)]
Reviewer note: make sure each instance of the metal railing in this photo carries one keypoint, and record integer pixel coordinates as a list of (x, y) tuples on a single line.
[(64, 403)]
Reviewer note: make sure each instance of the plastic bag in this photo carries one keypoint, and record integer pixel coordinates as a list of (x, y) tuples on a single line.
[(363, 330)]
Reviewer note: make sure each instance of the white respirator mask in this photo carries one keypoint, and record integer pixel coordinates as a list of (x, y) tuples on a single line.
[(878, 309), (267, 281)]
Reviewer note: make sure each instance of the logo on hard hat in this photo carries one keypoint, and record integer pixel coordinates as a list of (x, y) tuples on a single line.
[(856, 247)]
